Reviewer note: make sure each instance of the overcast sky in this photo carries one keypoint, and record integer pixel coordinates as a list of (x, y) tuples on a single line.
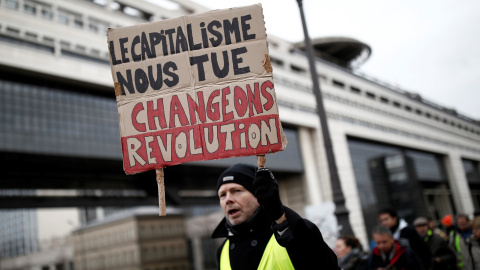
[(428, 47)]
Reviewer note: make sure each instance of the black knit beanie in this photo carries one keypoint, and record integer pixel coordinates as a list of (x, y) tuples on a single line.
[(242, 174)]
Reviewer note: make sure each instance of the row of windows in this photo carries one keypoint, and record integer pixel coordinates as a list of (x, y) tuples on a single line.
[(385, 100), (400, 132), (126, 258), (161, 252), (47, 44), (61, 15), (64, 16), (10, 121), (29, 95), (99, 241), (114, 260), (407, 108), (161, 230), (44, 119), (70, 18), (352, 103)]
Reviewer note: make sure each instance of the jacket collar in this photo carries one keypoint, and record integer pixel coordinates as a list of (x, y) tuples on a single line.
[(398, 251), (396, 246), (353, 253), (397, 228)]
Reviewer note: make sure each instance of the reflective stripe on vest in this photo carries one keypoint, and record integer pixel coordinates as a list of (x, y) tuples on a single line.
[(274, 257), (458, 249)]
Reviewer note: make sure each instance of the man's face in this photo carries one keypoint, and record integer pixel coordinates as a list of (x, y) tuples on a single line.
[(463, 223), (384, 242), (476, 232), (422, 229), (237, 203), (387, 221), (341, 249)]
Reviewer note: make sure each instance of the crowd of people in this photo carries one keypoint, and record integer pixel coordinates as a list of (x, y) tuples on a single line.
[(453, 245), (260, 232)]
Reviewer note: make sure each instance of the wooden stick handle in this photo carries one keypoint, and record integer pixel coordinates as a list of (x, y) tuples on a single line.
[(261, 161), (161, 192)]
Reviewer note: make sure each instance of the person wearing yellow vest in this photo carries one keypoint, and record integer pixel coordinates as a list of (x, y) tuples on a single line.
[(262, 233), (443, 257), (456, 240)]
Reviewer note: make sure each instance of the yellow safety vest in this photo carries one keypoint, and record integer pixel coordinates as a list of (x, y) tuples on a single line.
[(274, 257)]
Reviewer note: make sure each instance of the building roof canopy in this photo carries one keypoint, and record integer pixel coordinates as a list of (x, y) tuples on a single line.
[(343, 51)]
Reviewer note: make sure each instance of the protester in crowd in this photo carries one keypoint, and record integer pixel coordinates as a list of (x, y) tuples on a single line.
[(390, 253), (473, 262), (443, 257), (406, 234), (436, 230), (350, 253), (463, 225), (456, 242), (447, 222), (261, 232)]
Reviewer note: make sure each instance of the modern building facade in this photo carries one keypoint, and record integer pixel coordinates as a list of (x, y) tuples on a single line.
[(18, 232), (393, 148), (53, 254)]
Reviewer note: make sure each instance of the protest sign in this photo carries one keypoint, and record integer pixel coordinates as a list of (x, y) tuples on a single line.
[(192, 88)]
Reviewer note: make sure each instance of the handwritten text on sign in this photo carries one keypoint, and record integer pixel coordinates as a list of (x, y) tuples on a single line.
[(194, 88)]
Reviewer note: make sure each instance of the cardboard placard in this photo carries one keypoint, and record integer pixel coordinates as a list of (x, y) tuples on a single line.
[(197, 87)]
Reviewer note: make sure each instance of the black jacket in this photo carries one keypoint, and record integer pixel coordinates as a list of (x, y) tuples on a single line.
[(417, 244), (402, 259), (354, 260), (439, 248), (302, 239)]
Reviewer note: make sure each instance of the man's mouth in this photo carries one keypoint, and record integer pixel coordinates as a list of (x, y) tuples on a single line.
[(232, 212)]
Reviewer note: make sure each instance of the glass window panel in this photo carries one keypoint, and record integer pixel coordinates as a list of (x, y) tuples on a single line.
[(471, 171), (12, 4), (80, 123), (47, 14), (384, 172), (427, 167), (30, 8)]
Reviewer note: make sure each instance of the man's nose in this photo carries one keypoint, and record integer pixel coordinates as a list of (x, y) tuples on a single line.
[(228, 197)]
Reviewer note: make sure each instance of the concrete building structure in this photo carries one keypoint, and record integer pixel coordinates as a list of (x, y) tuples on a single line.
[(136, 239), (392, 147), (199, 229)]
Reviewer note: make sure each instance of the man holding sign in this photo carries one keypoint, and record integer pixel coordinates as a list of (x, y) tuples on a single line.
[(196, 87), (200, 87), (261, 232)]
